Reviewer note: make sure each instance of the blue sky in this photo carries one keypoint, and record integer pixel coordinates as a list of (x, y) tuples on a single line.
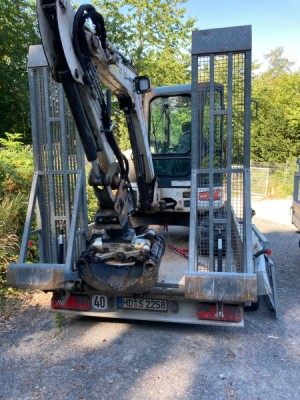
[(274, 22)]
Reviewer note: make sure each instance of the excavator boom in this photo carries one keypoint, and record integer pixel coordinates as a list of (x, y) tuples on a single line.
[(82, 59)]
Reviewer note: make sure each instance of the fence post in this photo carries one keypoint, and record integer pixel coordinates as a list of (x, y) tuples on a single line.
[(267, 182)]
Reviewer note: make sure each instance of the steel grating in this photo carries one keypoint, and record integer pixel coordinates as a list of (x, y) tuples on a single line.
[(220, 159), (59, 162)]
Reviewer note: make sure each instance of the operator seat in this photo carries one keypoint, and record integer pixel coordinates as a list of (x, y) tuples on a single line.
[(184, 144)]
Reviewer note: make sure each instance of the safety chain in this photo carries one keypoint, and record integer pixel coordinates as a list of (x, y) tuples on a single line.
[(180, 252)]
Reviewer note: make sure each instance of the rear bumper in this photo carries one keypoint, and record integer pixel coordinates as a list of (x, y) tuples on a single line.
[(36, 276), (220, 286)]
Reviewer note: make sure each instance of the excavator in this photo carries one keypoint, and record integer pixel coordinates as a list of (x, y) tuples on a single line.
[(188, 165), (81, 57)]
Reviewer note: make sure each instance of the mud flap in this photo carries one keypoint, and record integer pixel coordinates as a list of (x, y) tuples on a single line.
[(264, 269), (271, 297)]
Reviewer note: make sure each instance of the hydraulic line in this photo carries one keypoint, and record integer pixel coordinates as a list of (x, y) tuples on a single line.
[(90, 76)]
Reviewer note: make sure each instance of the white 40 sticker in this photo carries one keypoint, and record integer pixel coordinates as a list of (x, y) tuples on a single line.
[(99, 302)]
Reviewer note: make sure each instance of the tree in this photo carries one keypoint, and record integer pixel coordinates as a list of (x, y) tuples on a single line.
[(277, 64), (17, 32), (156, 35), (276, 131), (149, 31)]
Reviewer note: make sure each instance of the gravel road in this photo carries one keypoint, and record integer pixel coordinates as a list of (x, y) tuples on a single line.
[(86, 358)]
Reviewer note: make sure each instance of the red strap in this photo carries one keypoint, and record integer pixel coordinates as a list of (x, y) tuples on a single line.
[(181, 252)]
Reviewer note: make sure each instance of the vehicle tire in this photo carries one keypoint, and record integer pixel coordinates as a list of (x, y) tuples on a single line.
[(253, 306), (139, 230)]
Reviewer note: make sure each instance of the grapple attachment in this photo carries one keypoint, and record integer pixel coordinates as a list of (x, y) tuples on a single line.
[(120, 266)]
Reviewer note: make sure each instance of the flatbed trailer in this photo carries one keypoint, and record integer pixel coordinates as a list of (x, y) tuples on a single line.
[(167, 301), (211, 270)]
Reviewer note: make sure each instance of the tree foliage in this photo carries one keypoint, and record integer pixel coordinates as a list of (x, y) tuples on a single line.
[(17, 32), (16, 166), (276, 131), (277, 63), (156, 36), (16, 169)]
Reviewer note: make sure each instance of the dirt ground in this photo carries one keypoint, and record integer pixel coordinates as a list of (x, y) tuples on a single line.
[(44, 357)]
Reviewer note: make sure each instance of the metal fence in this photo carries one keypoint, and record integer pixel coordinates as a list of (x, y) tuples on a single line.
[(272, 180)]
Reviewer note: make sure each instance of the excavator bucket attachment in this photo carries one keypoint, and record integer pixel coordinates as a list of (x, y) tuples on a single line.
[(137, 276)]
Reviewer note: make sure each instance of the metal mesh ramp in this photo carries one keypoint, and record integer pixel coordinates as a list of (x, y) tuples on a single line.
[(56, 217), (220, 198)]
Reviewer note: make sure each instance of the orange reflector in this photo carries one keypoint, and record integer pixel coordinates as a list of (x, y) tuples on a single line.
[(78, 302), (225, 312), (217, 195)]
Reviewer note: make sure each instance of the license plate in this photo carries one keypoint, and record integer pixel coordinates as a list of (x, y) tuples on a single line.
[(142, 304)]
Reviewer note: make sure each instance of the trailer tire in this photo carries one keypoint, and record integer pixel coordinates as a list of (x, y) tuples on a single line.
[(139, 230), (253, 306)]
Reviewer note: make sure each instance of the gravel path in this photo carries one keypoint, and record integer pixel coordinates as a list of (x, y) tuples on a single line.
[(85, 358)]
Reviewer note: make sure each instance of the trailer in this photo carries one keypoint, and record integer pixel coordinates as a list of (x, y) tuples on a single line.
[(212, 269)]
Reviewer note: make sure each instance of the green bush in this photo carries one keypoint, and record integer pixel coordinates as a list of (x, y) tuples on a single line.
[(9, 252), (13, 210), (16, 170), (16, 165), (278, 187)]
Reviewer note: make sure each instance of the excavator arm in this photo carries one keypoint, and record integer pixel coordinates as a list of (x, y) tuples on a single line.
[(82, 59)]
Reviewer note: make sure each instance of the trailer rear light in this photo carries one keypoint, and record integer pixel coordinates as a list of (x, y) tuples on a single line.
[(217, 195), (259, 253), (78, 302), (186, 195), (220, 312)]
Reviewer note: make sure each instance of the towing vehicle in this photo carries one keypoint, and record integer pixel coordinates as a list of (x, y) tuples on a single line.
[(189, 169)]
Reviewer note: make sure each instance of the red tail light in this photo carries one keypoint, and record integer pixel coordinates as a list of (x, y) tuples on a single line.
[(222, 312), (217, 195), (78, 302)]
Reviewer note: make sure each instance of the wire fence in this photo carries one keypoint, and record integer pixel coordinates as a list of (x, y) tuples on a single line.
[(272, 180)]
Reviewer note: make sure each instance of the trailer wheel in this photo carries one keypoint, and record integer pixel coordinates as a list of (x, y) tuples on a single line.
[(139, 230), (253, 306)]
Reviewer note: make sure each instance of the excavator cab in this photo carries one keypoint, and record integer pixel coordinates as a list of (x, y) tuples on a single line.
[(170, 128), (169, 112)]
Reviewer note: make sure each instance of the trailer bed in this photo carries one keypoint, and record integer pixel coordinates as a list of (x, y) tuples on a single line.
[(173, 266)]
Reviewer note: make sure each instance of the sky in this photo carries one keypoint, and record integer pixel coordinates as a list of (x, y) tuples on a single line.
[(274, 22)]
